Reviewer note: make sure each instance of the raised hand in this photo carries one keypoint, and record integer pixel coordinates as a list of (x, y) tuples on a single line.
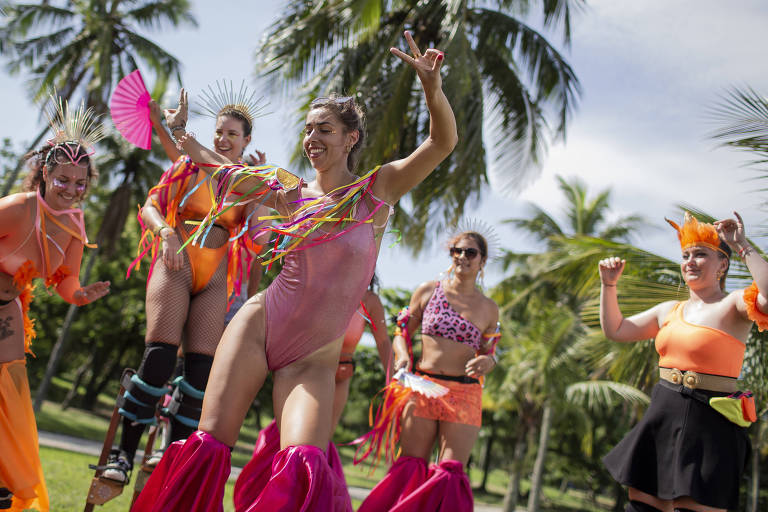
[(175, 117), (260, 158), (155, 113), (427, 65), (731, 231), (610, 270)]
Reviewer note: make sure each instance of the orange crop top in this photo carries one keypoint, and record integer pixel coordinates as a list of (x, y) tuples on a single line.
[(690, 347), (197, 204)]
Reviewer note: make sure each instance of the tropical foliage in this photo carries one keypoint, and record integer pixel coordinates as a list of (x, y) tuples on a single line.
[(507, 83)]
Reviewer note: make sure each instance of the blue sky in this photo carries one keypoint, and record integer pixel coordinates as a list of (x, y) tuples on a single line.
[(649, 70)]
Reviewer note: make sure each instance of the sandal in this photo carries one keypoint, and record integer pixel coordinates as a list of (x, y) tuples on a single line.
[(118, 468)]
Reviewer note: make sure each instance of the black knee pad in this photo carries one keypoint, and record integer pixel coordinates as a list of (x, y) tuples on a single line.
[(158, 363), (639, 506), (147, 387), (187, 399), (197, 368)]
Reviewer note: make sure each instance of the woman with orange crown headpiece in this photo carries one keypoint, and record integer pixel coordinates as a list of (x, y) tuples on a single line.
[(188, 289), (688, 451), (42, 234)]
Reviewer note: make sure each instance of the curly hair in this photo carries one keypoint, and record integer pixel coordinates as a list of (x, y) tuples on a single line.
[(48, 156), (351, 116)]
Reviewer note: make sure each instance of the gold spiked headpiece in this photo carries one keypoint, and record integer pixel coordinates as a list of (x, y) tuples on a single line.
[(72, 130), (473, 225), (696, 234), (224, 97)]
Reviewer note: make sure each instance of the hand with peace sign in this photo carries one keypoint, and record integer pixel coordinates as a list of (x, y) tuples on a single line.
[(427, 65), (176, 118)]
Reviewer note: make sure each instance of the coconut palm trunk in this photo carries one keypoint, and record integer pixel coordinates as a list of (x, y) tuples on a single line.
[(537, 476)]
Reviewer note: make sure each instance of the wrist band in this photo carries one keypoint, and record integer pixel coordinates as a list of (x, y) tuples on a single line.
[(160, 229), (606, 284), (744, 251), (178, 127)]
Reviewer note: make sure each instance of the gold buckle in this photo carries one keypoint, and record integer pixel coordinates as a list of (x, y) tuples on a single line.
[(675, 376), (691, 380)]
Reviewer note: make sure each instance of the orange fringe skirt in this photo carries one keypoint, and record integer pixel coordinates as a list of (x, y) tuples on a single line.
[(20, 469)]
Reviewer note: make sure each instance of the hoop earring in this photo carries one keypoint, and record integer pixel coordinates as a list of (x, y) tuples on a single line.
[(481, 277)]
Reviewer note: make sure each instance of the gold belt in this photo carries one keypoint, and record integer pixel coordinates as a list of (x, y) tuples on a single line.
[(694, 380)]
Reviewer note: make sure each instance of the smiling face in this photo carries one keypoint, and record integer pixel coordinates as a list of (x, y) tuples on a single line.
[(229, 139), (466, 256), (700, 266), (326, 142), (65, 185)]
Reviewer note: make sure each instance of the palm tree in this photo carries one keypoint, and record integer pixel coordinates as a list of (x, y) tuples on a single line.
[(83, 47), (742, 114), (500, 74)]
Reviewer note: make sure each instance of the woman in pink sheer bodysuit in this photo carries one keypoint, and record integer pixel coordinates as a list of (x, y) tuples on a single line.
[(295, 328)]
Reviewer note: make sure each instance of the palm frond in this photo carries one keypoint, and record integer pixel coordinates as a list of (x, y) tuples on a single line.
[(604, 394)]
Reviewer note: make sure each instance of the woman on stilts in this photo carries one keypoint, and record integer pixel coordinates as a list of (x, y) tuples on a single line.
[(187, 290), (295, 328)]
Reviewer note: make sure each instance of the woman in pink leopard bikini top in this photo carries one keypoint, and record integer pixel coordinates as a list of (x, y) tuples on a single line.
[(458, 332)]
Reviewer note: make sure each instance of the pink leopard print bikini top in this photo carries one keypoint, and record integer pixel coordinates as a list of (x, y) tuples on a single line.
[(440, 319)]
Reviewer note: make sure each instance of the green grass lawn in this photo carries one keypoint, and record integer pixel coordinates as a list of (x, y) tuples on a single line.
[(68, 477)]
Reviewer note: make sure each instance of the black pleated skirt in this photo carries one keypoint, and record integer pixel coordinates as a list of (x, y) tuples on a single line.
[(682, 447)]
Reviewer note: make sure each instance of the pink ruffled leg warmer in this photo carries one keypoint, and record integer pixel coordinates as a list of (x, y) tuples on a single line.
[(447, 489), (190, 477), (405, 476), (255, 475), (302, 481)]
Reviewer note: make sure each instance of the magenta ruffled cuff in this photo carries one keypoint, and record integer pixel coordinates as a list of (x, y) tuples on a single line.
[(190, 477), (447, 489), (404, 476)]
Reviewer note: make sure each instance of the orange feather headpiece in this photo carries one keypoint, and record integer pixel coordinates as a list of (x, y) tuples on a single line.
[(697, 234)]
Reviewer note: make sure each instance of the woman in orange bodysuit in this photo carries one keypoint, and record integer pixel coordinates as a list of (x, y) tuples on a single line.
[(458, 332), (188, 290), (688, 451), (41, 235)]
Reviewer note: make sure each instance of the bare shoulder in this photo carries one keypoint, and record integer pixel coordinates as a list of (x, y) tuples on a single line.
[(16, 205), (424, 291), (662, 309)]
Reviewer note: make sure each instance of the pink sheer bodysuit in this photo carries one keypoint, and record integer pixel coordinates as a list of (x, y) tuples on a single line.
[(312, 300)]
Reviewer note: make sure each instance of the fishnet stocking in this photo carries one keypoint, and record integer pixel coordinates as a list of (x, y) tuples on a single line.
[(173, 311)]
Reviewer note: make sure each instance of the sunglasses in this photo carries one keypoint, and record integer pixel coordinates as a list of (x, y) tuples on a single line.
[(469, 252)]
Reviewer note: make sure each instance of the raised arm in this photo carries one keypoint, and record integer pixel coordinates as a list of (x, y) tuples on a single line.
[(155, 115), (375, 309), (641, 326), (398, 177), (732, 232), (69, 288), (244, 180)]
